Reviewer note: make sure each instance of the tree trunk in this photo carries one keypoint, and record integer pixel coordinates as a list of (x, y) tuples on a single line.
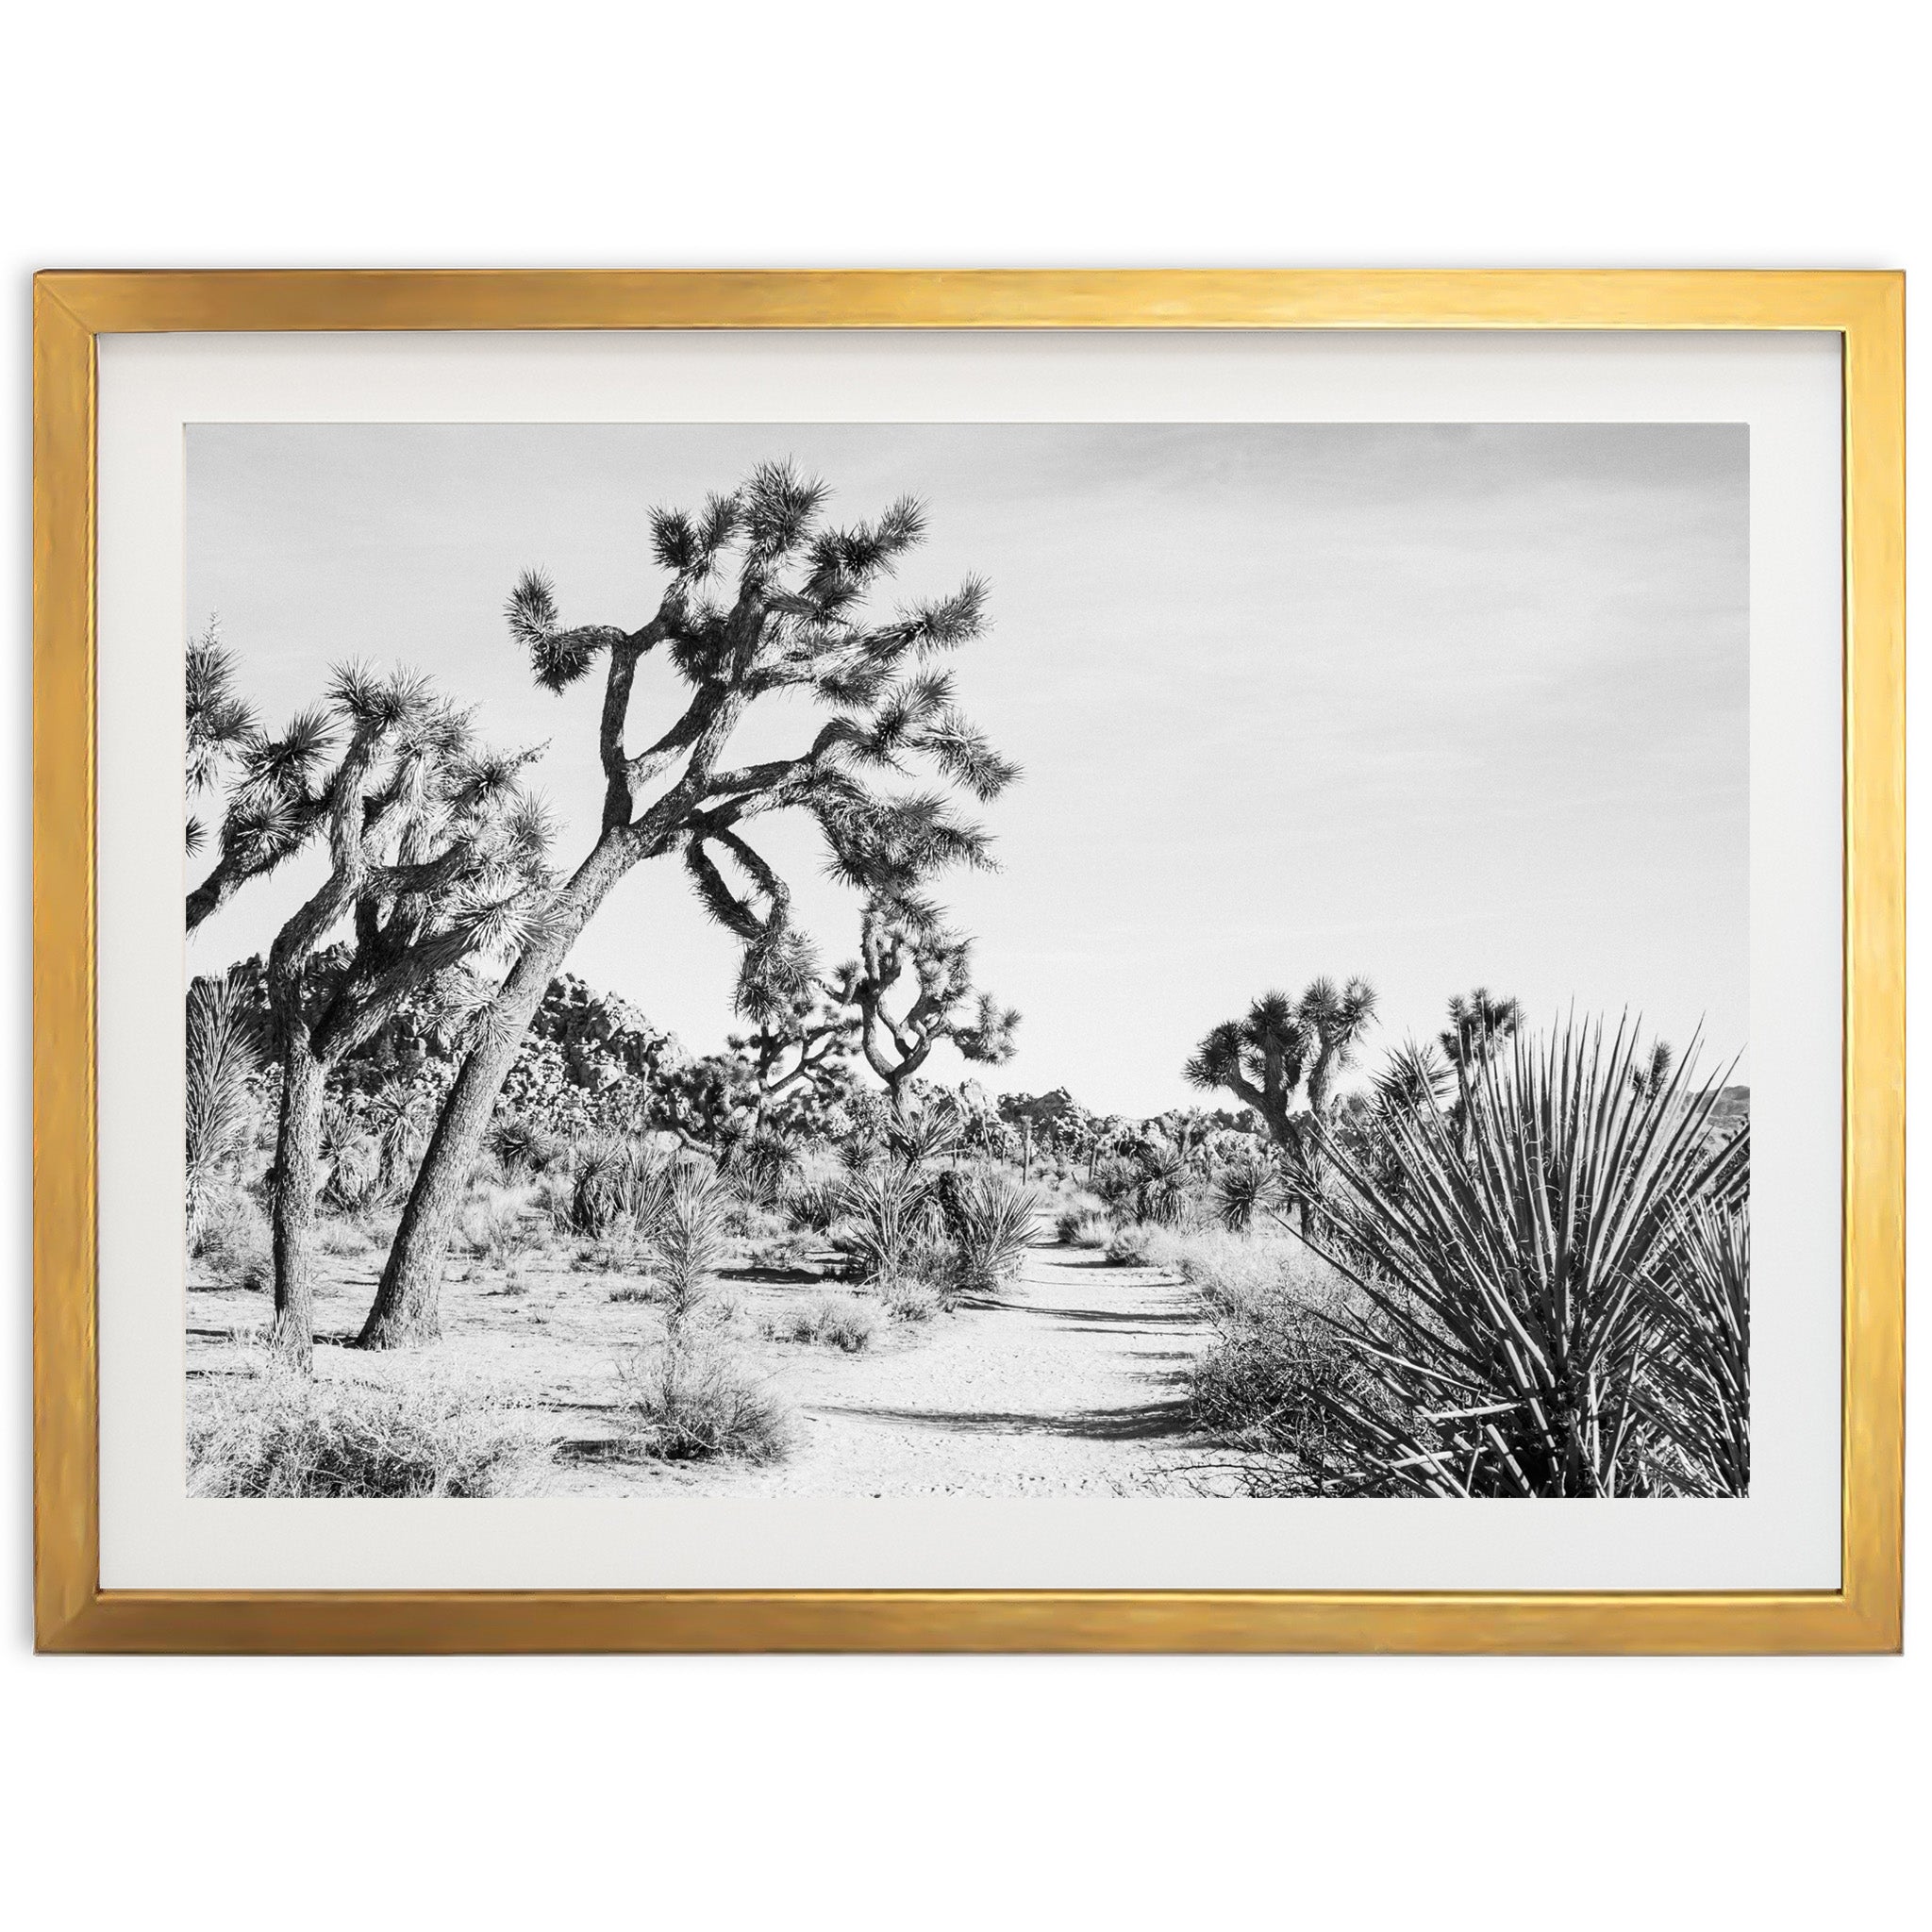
[(298, 1176), (405, 1311)]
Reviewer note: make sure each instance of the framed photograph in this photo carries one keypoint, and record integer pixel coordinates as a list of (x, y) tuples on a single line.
[(983, 961)]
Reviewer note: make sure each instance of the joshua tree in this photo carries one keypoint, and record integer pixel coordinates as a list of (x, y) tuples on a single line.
[(800, 1044), (793, 620), (895, 938), (1259, 1060), (435, 853), (1285, 1047)]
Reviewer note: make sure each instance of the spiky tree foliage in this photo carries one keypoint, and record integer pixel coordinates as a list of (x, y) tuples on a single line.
[(907, 957), (220, 724), (1508, 1340), (763, 599), (437, 856), (272, 791), (1336, 1017), (225, 1052), (1479, 1024)]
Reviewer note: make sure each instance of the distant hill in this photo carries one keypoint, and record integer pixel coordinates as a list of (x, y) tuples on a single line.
[(1733, 1107)]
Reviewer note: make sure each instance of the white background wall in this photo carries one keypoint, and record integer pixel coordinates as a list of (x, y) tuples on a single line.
[(1083, 1793)]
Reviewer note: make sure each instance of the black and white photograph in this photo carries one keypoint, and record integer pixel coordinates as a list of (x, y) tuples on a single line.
[(995, 959)]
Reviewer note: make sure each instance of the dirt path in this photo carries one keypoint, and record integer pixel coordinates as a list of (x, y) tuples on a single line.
[(1071, 1382)]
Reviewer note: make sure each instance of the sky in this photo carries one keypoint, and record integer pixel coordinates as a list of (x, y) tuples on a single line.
[(1438, 705)]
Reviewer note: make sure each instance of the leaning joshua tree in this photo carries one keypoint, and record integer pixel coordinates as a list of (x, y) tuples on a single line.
[(897, 939), (761, 599), (436, 854), (271, 801)]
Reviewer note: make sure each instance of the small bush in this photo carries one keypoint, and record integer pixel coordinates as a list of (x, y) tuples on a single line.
[(841, 1322), (232, 1239), (695, 1403), (645, 1287), (907, 1299), (262, 1430), (1132, 1247)]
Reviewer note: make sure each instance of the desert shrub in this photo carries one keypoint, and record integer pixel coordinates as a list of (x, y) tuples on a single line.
[(990, 1218), (231, 1238), (691, 1401), (492, 1227), (1132, 1247), (262, 1429), (1527, 1284), (843, 1322), (1277, 1355), (907, 1298), (643, 1287)]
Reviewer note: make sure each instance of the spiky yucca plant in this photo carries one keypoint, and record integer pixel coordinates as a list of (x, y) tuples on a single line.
[(1243, 1189), (691, 1242), (888, 1211), (1513, 1279), (992, 1219), (1699, 1375), (224, 1053)]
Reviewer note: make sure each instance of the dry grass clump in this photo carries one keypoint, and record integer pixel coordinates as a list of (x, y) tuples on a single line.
[(336, 1237), (842, 1320), (491, 1226), (1083, 1227), (260, 1429), (693, 1402)]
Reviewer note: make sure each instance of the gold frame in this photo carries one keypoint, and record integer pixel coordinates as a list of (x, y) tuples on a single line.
[(73, 1613)]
